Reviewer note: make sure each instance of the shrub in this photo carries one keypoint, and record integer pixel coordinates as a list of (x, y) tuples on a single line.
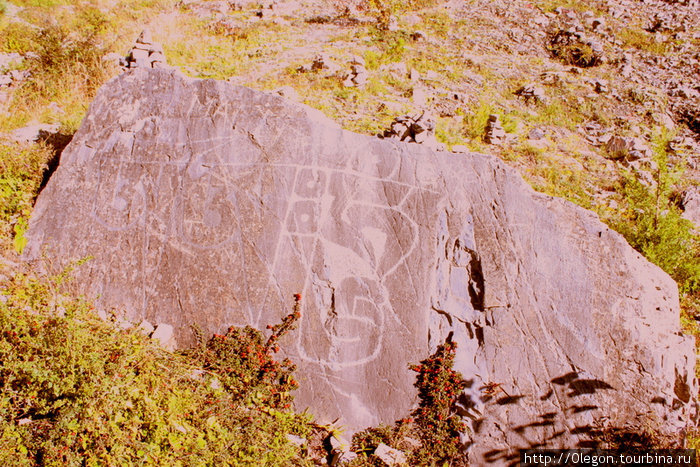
[(77, 390), (66, 65), (570, 49), (431, 436), (244, 362), (21, 172), (652, 223)]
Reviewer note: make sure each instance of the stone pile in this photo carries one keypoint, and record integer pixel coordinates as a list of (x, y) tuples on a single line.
[(418, 128), (530, 92), (145, 54), (358, 73), (495, 134)]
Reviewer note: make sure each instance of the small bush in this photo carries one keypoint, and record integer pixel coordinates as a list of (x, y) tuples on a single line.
[(432, 436), (570, 49), (66, 66), (244, 361), (77, 390), (652, 223), (21, 172)]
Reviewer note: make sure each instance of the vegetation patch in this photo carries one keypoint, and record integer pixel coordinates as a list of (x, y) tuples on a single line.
[(77, 390), (568, 47), (432, 435)]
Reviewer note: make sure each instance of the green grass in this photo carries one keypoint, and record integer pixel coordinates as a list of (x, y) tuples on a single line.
[(21, 171)]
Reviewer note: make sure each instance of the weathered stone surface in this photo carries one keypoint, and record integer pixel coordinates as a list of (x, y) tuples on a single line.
[(209, 203)]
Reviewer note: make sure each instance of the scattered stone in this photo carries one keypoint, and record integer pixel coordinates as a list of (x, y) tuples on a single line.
[(601, 86), (390, 106), (431, 75), (414, 75), (145, 53), (597, 24), (417, 35), (8, 60), (397, 70), (13, 77), (112, 57), (390, 456), (214, 383), (338, 443), (419, 96), (663, 119), (551, 78), (323, 62), (574, 48), (531, 92), (495, 134), (460, 148)]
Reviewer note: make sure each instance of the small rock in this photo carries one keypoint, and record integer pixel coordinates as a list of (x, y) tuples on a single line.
[(165, 334), (419, 96), (627, 148), (146, 328), (601, 86), (288, 92), (690, 203), (535, 134), (390, 456), (460, 148), (431, 75), (417, 35), (358, 73), (294, 439), (338, 443), (531, 92), (33, 132), (215, 384)]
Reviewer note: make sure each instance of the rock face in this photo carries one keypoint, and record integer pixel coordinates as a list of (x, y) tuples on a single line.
[(204, 202)]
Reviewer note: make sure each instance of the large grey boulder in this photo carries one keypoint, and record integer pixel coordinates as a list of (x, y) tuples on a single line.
[(203, 202)]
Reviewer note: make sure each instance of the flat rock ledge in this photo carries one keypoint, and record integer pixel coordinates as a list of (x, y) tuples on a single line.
[(203, 202)]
